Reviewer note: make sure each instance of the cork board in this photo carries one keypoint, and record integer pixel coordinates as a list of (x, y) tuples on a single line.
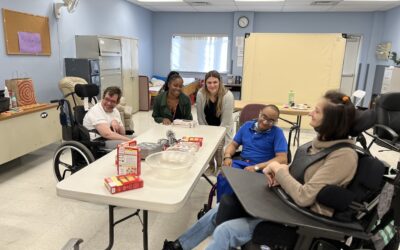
[(17, 22)]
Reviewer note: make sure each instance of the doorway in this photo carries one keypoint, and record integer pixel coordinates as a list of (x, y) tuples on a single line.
[(350, 62)]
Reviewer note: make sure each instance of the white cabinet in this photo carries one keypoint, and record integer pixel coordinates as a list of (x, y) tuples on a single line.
[(27, 131), (391, 80), (118, 57)]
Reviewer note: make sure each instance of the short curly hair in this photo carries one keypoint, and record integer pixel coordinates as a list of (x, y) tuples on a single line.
[(113, 90)]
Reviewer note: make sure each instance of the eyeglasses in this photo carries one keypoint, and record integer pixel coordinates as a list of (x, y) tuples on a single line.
[(266, 119), (111, 101)]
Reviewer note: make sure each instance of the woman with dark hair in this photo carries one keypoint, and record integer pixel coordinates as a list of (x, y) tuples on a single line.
[(332, 119), (165, 86), (214, 105), (172, 103)]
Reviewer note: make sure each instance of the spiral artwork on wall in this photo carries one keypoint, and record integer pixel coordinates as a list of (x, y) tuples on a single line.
[(25, 93)]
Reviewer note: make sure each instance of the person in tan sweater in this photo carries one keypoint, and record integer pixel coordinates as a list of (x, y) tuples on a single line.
[(332, 119)]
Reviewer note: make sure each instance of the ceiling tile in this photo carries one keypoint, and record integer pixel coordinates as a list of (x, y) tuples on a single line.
[(287, 6)]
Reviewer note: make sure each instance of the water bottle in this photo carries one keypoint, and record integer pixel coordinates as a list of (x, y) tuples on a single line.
[(291, 98), (13, 100)]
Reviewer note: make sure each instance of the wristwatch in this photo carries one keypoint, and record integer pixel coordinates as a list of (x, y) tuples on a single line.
[(256, 168)]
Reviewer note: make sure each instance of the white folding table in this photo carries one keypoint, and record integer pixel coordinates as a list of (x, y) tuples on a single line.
[(158, 194)]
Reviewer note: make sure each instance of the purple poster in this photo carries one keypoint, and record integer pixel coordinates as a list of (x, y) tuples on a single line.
[(29, 42)]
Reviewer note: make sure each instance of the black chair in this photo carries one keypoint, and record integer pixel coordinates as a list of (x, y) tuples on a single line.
[(355, 206), (77, 150), (387, 128)]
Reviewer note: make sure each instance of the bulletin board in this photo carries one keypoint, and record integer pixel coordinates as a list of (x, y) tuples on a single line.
[(15, 23), (275, 63)]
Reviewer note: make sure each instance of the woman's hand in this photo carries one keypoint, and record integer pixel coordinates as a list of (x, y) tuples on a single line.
[(270, 175), (166, 121), (271, 170)]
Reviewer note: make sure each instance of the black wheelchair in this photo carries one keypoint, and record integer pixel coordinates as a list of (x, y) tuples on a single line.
[(77, 151), (366, 213)]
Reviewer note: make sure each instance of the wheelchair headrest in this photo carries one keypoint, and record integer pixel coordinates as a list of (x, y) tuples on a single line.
[(86, 90), (364, 119)]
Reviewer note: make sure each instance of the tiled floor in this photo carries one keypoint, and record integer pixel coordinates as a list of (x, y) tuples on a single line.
[(32, 216)]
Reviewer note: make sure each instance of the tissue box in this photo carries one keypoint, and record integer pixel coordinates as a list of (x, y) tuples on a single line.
[(121, 183), (184, 123), (198, 140), (128, 159), (185, 146)]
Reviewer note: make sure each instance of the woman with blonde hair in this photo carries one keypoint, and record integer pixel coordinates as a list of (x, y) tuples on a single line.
[(215, 108)]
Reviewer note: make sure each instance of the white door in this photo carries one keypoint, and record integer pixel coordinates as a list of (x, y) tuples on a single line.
[(350, 63), (130, 72)]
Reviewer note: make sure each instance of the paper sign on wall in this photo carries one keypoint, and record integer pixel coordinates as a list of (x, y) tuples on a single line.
[(29, 42)]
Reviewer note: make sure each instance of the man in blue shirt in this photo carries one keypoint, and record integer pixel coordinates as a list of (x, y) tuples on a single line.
[(262, 142)]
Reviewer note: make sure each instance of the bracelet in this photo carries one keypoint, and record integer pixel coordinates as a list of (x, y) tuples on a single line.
[(227, 157)]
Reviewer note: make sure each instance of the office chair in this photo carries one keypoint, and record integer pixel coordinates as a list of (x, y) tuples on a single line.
[(387, 128)]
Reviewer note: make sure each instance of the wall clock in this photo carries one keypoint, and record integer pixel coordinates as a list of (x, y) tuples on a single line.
[(243, 22)]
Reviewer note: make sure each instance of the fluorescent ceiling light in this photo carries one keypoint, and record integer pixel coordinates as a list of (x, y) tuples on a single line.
[(160, 1), (259, 0), (371, 0)]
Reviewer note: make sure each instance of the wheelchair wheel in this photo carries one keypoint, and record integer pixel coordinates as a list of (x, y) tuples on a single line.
[(70, 157)]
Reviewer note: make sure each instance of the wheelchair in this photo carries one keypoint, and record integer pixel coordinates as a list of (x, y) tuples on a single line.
[(77, 150), (368, 207)]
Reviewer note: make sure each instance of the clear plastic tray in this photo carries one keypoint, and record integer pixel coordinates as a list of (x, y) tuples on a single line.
[(170, 164)]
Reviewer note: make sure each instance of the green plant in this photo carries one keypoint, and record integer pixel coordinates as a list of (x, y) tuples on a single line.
[(393, 57)]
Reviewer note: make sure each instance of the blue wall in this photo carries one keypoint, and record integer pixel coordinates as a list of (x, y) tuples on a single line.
[(391, 29), (92, 17)]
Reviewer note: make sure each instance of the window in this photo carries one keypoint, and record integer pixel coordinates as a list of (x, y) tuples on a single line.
[(199, 53)]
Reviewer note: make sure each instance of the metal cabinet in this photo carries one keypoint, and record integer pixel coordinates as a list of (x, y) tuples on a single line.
[(118, 57)]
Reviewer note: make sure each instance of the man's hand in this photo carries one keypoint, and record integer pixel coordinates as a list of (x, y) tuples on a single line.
[(251, 168), (227, 162), (115, 126), (166, 121)]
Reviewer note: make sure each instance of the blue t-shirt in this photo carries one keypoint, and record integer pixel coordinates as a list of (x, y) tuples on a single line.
[(260, 147)]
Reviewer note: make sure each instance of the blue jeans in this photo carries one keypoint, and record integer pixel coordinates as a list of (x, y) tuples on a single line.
[(229, 234)]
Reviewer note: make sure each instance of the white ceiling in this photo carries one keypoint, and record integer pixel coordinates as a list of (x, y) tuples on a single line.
[(286, 6)]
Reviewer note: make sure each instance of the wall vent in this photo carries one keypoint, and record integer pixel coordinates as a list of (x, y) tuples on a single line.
[(198, 3), (324, 3)]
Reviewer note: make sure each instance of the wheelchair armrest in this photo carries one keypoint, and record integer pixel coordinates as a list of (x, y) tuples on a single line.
[(335, 197), (129, 132), (98, 142), (327, 220), (392, 133)]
